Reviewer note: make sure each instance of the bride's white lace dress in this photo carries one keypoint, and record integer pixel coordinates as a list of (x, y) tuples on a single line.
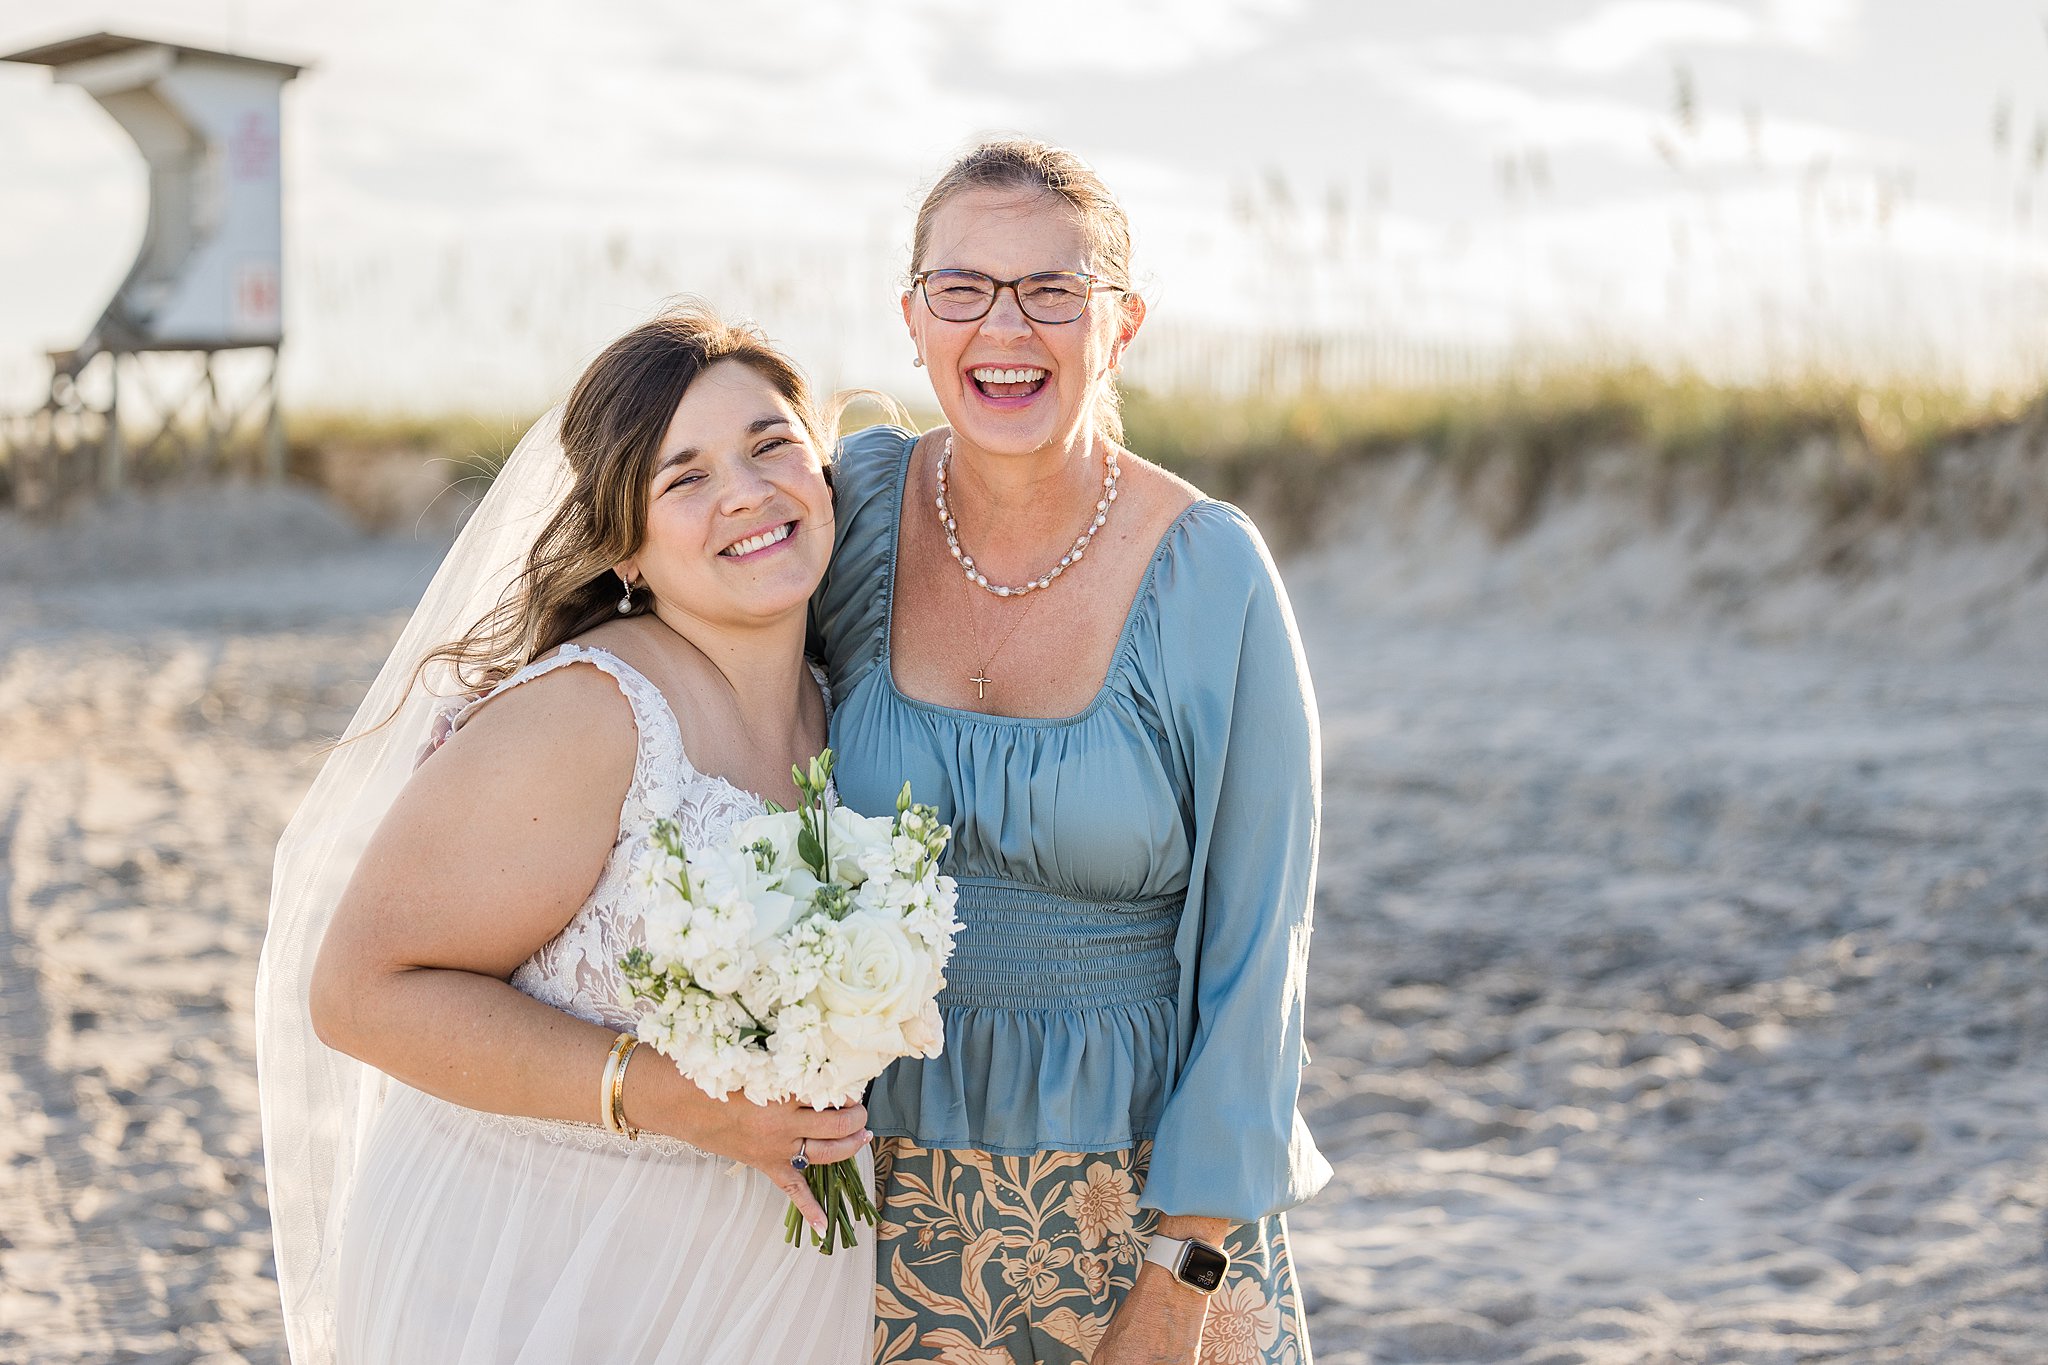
[(480, 1239)]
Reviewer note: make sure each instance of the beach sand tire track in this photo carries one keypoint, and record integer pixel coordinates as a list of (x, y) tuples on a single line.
[(83, 1270)]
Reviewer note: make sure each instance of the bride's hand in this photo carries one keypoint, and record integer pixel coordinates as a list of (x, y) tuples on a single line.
[(764, 1136)]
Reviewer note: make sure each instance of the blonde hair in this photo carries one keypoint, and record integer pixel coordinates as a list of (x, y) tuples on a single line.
[(1038, 167), (612, 428)]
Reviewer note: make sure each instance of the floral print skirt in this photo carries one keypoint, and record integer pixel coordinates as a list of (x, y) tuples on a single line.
[(1020, 1260)]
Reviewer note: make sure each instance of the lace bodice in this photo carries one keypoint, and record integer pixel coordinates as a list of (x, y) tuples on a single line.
[(577, 970)]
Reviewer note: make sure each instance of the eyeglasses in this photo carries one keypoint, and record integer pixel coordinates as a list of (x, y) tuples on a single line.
[(1050, 296)]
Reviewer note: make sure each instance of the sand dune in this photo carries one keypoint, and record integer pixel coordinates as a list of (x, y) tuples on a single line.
[(1677, 996)]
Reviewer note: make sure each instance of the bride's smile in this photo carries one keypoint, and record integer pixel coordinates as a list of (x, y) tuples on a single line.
[(739, 518)]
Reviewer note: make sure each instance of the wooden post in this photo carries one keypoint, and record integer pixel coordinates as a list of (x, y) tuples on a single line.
[(113, 450), (273, 426)]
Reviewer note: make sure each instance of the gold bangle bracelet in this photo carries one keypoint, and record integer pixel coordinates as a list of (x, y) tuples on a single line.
[(608, 1084), (618, 1114)]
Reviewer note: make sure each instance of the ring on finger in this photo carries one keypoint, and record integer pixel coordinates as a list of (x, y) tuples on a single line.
[(800, 1162)]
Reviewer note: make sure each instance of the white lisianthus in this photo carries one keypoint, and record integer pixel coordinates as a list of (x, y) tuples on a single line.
[(852, 842), (723, 970), (926, 1034), (727, 873), (779, 830)]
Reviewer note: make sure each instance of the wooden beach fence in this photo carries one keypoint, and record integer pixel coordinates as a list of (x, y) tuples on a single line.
[(1235, 362)]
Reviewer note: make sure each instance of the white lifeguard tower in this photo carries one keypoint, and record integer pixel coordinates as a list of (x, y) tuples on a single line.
[(208, 278)]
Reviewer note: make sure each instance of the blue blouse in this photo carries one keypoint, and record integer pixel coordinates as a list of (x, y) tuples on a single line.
[(1135, 879)]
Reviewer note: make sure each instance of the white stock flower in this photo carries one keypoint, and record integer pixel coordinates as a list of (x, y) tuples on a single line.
[(657, 868), (909, 855), (665, 920), (886, 894), (932, 916), (761, 994)]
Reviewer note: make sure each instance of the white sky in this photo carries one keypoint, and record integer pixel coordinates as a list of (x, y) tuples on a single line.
[(480, 193)]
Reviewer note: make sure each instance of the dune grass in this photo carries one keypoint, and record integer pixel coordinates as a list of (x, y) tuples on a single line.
[(1288, 447)]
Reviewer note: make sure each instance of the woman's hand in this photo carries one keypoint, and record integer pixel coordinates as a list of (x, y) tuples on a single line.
[(763, 1136)]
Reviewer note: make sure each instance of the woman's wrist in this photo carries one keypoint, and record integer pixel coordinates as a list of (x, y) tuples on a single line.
[(658, 1099), (1191, 1227)]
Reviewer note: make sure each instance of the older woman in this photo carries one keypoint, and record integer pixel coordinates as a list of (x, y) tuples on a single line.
[(1093, 669)]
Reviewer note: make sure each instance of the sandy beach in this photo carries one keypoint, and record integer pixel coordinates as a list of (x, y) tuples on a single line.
[(1678, 986)]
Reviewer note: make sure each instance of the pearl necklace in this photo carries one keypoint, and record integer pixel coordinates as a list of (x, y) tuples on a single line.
[(1067, 560)]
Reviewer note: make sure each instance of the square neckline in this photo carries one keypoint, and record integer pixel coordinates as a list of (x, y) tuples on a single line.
[(898, 491)]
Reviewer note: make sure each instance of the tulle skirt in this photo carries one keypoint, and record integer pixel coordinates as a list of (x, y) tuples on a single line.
[(473, 1239)]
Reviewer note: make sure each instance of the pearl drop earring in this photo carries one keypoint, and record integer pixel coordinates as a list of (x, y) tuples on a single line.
[(917, 363), (626, 602)]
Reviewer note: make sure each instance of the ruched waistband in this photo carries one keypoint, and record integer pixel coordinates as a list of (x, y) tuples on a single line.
[(1025, 948)]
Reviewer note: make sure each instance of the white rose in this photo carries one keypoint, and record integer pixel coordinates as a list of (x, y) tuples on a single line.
[(878, 979)]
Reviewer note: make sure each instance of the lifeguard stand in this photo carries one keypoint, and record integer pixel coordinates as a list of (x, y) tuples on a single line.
[(208, 279)]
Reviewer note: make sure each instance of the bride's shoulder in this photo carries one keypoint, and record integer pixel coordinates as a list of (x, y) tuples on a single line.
[(557, 744), (551, 711)]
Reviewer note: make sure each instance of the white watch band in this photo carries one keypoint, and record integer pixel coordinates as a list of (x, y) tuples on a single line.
[(1166, 1252)]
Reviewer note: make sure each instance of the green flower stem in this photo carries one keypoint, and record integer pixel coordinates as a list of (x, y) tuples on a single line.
[(843, 1195)]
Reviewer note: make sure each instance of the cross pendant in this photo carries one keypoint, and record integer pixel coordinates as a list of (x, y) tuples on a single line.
[(980, 686)]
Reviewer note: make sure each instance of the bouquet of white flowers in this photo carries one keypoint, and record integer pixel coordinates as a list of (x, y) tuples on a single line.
[(798, 960)]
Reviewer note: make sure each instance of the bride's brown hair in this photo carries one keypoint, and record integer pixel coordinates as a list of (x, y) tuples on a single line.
[(611, 434)]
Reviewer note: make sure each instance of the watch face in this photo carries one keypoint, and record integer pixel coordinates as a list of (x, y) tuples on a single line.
[(1202, 1267)]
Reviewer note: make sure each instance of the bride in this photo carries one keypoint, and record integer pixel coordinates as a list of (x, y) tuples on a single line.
[(629, 602)]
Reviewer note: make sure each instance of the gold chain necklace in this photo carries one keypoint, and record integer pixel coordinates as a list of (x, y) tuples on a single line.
[(982, 682)]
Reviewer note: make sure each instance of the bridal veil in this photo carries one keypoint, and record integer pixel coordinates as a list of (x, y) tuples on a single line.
[(317, 1103)]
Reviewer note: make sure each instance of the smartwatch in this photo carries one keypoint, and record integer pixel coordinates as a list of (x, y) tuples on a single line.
[(1195, 1264)]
